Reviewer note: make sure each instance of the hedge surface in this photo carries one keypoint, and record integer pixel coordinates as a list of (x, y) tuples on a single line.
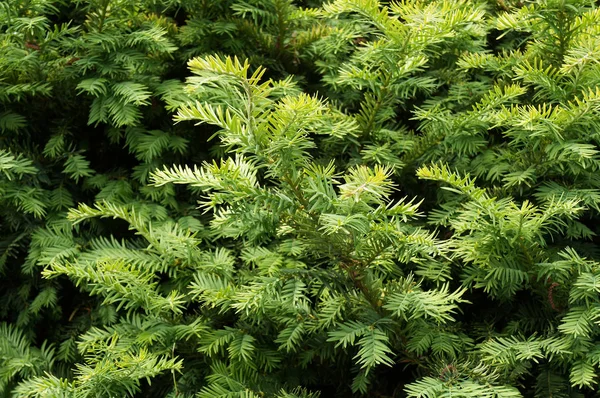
[(277, 198)]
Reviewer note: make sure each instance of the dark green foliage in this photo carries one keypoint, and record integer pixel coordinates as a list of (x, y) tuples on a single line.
[(299, 198)]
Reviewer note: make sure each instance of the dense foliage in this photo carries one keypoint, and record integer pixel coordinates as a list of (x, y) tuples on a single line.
[(278, 198)]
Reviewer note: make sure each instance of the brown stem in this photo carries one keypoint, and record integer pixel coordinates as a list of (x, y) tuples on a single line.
[(551, 296), (359, 284)]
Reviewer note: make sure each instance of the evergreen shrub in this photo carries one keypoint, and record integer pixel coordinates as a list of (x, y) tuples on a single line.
[(277, 198)]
